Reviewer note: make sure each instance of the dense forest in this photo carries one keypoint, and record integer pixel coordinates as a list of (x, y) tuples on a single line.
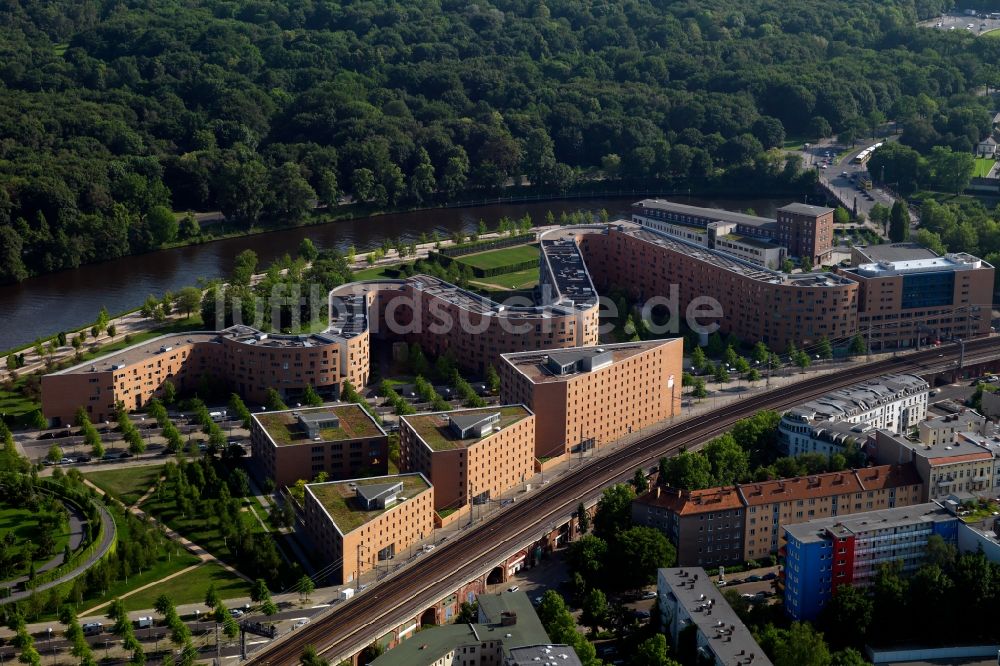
[(115, 113)]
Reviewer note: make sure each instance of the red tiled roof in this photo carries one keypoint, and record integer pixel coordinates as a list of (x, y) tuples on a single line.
[(965, 457), (801, 487), (883, 477), (686, 503)]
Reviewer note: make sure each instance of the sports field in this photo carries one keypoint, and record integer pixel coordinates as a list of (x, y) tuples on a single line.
[(503, 257), (983, 166)]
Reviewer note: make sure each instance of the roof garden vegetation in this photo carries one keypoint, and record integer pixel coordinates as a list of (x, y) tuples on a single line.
[(434, 429), (339, 498), (285, 430)]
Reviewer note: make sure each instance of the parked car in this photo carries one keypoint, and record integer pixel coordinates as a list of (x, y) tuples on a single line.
[(770, 576), (83, 459), (754, 579), (513, 588), (92, 628), (236, 612), (301, 623), (649, 595), (737, 581), (66, 461)]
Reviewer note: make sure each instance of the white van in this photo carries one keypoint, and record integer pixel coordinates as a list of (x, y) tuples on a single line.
[(144, 622)]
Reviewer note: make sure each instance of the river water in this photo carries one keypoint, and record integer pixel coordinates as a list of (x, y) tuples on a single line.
[(44, 305)]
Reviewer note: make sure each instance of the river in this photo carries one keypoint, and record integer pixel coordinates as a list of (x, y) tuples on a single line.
[(44, 305)]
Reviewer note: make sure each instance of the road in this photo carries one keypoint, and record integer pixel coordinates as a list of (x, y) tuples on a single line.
[(841, 177), (343, 630)]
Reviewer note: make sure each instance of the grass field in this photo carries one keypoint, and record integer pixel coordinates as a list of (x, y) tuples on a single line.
[(502, 257), (983, 166), (189, 588), (519, 280), (128, 484), (14, 403)]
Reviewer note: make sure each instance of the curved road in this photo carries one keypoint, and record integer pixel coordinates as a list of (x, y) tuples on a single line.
[(348, 627), (107, 538)]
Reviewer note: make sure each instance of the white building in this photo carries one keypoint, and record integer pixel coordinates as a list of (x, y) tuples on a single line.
[(943, 429), (829, 423)]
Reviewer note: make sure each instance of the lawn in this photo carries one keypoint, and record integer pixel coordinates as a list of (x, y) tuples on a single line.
[(436, 431), (339, 500), (502, 257), (376, 272), (126, 485), (23, 524), (499, 283), (198, 528), (14, 403), (983, 166), (190, 587)]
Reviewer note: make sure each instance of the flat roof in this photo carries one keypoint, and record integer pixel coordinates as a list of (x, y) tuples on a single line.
[(963, 449), (730, 262), (165, 344), (708, 214), (284, 428), (805, 209), (533, 364), (435, 431), (960, 421), (544, 655), (857, 524), (338, 498), (723, 630), (907, 251), (957, 261), (751, 241), (429, 645)]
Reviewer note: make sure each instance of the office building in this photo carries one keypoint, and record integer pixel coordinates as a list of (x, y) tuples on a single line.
[(962, 467), (800, 230), (911, 299), (469, 454), (754, 303), (892, 402), (342, 440), (688, 598), (586, 397), (729, 525), (823, 554), (248, 361), (361, 524)]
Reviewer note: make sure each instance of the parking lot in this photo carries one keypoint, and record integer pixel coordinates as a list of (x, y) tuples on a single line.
[(977, 25)]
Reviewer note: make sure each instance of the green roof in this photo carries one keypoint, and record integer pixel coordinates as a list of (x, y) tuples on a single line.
[(434, 428), (284, 430), (427, 646), (749, 240), (338, 498)]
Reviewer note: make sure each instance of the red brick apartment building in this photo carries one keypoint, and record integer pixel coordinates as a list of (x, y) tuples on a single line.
[(342, 440), (586, 397)]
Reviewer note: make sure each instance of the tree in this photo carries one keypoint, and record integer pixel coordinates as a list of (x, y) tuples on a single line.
[(169, 392), (555, 617), (274, 402), (653, 652), (728, 461), (698, 390), (307, 250), (931, 241), (310, 397), (305, 587), (686, 471), (583, 519), (848, 657), (720, 374), (614, 510), (188, 300), (162, 224), (587, 557), (309, 657), (595, 609), (899, 222), (857, 345), (188, 227), (841, 215), (637, 554), (54, 454), (492, 379), (801, 645), (212, 598), (824, 348), (112, 331), (847, 616), (698, 359), (468, 613), (640, 482)]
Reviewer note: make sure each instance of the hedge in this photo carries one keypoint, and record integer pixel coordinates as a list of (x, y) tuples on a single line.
[(482, 246)]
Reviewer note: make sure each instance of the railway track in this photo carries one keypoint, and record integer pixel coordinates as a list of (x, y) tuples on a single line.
[(344, 629)]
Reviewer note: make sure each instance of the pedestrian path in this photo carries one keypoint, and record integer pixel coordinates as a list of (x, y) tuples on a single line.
[(141, 588)]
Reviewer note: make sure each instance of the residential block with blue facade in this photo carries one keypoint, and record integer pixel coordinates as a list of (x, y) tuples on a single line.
[(823, 554)]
